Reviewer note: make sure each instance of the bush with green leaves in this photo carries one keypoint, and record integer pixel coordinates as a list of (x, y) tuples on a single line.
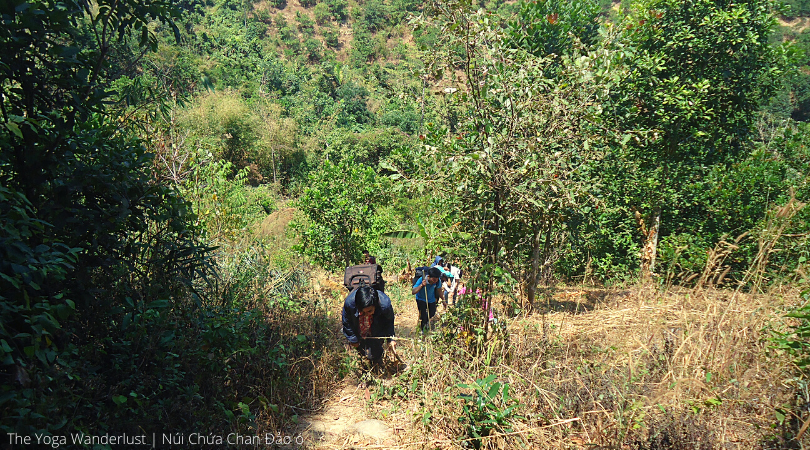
[(364, 47), (87, 232), (368, 147), (313, 50), (338, 207), (321, 13), (305, 24), (330, 36), (489, 408), (375, 15), (353, 100), (796, 341), (689, 113), (547, 27), (527, 133), (338, 9)]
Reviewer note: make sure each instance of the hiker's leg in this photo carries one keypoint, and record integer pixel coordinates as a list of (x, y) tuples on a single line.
[(432, 309), (362, 349), (375, 350), (423, 314)]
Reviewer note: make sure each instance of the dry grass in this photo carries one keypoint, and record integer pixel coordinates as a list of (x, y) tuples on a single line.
[(637, 369)]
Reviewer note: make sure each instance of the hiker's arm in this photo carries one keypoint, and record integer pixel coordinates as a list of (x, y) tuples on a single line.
[(389, 324), (419, 286), (348, 331)]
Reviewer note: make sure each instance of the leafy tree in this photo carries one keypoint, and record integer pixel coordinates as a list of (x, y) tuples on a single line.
[(84, 227), (515, 164), (701, 70), (321, 13), (313, 49), (339, 203), (401, 9), (367, 147), (375, 15), (546, 27), (353, 104), (338, 8), (305, 24), (330, 36)]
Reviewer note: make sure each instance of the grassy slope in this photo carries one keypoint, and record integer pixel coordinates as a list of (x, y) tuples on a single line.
[(637, 368)]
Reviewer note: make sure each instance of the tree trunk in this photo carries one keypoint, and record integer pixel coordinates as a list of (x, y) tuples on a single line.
[(650, 245), (531, 289)]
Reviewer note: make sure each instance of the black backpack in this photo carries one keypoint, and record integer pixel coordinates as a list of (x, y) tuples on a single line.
[(370, 274), (418, 273)]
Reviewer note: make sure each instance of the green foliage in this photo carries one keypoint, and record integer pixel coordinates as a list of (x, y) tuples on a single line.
[(321, 13), (548, 27), (313, 49), (797, 8), (330, 36), (405, 117), (339, 203), (367, 148), (699, 71), (400, 10), (94, 250), (338, 9), (375, 15), (488, 409), (305, 24), (353, 104), (364, 47), (796, 342), (515, 164), (219, 199)]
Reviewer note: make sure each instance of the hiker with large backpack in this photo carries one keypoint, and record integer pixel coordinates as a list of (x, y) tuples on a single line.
[(427, 289), (369, 273), (368, 320)]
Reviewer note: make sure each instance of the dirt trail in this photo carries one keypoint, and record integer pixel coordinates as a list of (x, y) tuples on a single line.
[(336, 426), (351, 418)]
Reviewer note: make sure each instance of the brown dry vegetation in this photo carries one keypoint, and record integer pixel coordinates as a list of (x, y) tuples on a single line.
[(632, 369)]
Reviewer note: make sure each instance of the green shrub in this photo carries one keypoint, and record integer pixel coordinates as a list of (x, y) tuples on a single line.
[(330, 36), (313, 49), (489, 408), (374, 15), (338, 9), (353, 100), (305, 24), (796, 342), (321, 13), (338, 205)]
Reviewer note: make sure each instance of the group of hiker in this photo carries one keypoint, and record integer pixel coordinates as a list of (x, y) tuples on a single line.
[(368, 317)]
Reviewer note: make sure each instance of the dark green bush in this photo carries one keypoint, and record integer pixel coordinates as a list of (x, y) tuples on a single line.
[(338, 9)]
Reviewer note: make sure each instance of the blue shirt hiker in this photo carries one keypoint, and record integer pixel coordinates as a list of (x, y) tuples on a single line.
[(426, 292), (429, 289)]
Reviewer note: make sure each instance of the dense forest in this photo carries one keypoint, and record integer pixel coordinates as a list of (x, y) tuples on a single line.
[(182, 182)]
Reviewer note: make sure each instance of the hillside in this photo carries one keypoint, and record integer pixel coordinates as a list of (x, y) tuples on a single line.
[(621, 187)]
